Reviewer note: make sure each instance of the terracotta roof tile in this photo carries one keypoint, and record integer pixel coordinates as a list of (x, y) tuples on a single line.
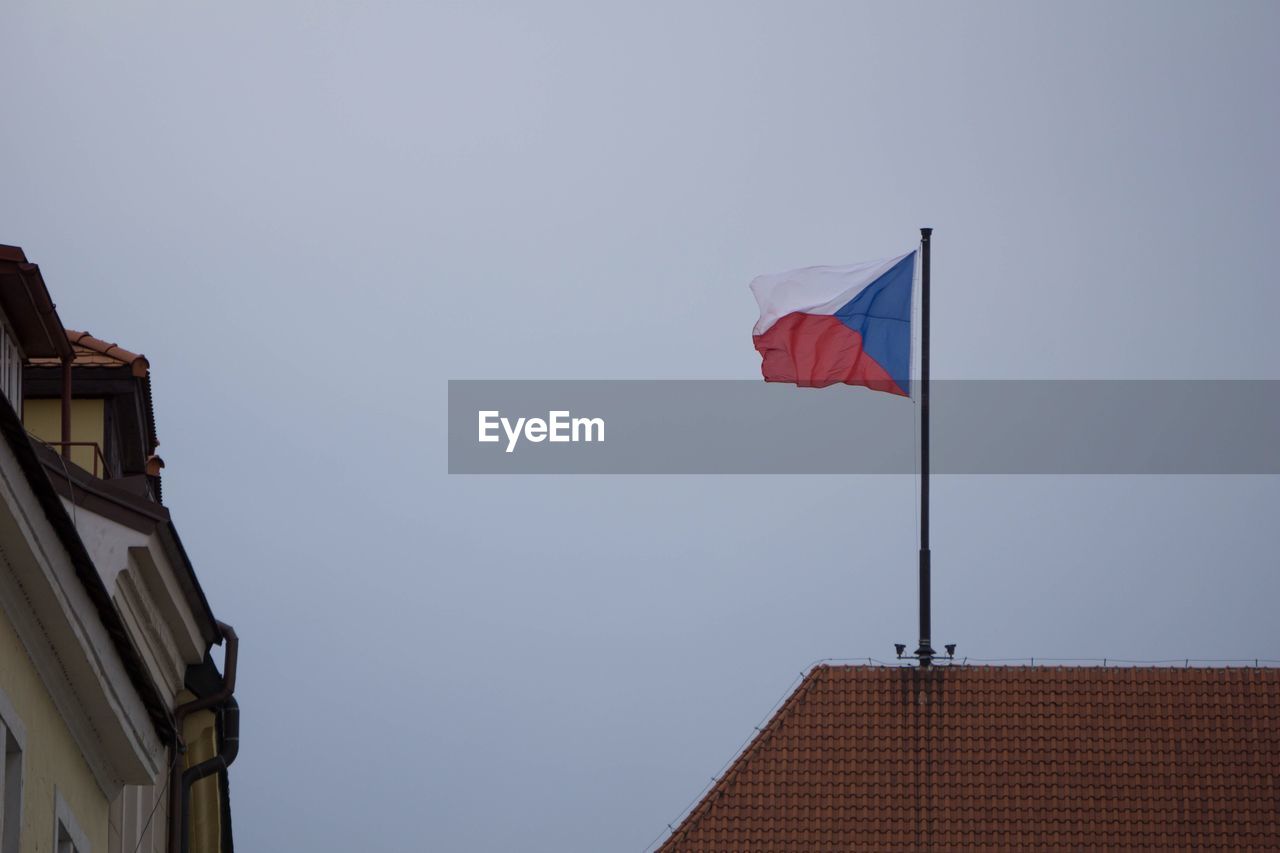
[(1005, 758), (95, 352)]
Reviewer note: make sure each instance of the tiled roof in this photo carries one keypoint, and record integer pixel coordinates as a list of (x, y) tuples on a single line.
[(95, 352), (1009, 758)]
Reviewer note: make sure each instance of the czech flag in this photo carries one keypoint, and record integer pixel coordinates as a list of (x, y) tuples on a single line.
[(821, 326)]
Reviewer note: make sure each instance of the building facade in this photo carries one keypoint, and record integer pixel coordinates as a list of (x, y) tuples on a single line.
[(118, 727)]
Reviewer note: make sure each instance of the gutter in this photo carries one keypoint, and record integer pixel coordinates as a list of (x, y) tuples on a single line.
[(66, 406), (37, 293), (180, 781), (218, 764)]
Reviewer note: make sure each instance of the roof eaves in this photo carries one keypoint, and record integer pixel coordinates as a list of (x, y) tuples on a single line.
[(33, 311), (148, 516), (169, 533), (86, 572)]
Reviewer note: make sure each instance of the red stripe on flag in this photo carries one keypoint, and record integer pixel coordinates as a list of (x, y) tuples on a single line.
[(817, 350)]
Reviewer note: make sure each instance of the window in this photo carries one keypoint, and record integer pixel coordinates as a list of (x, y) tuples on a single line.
[(10, 367), (12, 740), (66, 844), (68, 838)]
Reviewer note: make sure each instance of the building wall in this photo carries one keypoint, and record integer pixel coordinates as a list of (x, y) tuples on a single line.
[(200, 733), (43, 419), (139, 815), (51, 761), (139, 821)]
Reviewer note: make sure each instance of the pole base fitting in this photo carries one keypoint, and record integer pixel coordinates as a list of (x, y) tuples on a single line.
[(925, 654)]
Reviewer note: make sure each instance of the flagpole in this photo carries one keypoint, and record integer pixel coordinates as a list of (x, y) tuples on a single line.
[(925, 652)]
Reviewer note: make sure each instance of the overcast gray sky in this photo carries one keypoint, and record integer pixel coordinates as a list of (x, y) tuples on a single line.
[(310, 215)]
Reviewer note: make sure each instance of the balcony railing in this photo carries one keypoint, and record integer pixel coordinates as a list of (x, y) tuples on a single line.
[(99, 465)]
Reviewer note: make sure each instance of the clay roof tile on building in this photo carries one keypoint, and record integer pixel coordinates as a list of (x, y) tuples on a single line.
[(91, 351), (95, 352), (1005, 758)]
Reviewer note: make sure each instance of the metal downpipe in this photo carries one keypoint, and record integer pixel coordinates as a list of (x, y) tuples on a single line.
[(177, 790)]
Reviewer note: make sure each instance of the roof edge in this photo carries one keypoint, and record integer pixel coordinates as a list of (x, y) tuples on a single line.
[(763, 735), (137, 363), (143, 515), (86, 572), (34, 312)]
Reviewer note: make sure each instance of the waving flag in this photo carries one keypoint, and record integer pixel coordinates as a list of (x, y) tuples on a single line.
[(821, 326)]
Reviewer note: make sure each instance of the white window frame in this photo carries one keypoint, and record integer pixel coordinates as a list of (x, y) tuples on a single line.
[(13, 750), (11, 361), (67, 835)]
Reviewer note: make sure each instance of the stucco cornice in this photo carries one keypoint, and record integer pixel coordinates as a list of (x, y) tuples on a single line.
[(52, 594), (104, 498)]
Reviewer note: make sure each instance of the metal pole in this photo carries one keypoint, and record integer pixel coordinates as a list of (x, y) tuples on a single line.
[(67, 362), (925, 652)]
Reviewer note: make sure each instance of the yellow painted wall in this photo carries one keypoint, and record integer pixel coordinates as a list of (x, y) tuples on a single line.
[(43, 419), (51, 756), (200, 734)]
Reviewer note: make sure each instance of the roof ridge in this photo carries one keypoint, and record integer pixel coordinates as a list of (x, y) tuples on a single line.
[(1087, 664), (86, 339)]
